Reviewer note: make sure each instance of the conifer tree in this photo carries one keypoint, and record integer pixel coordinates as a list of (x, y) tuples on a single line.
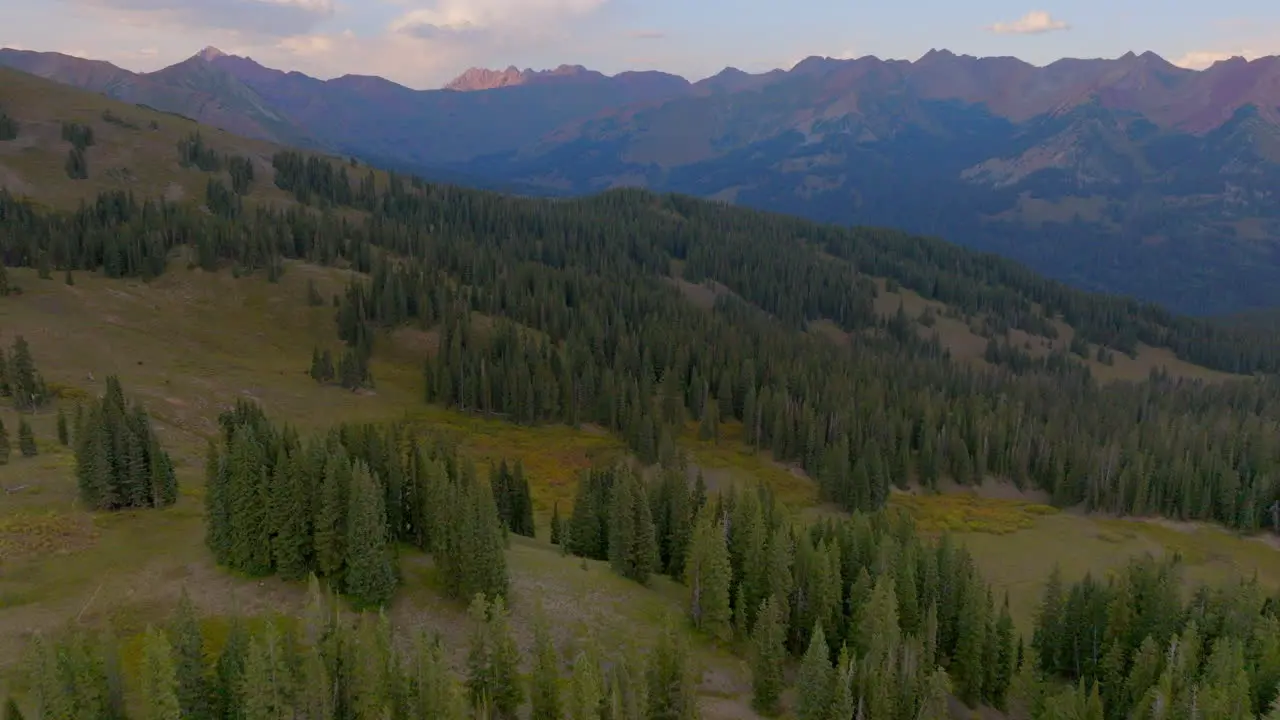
[(815, 690), (64, 438), (370, 575), (119, 461), (26, 438), (189, 663), (159, 682), (11, 711), (507, 693), (842, 701), (633, 549), (544, 690), (708, 576), (5, 447), (481, 682), (556, 531), (586, 692), (229, 672), (768, 657), (25, 384), (670, 693)]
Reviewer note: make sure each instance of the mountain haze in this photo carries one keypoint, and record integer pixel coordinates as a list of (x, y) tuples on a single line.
[(1128, 175)]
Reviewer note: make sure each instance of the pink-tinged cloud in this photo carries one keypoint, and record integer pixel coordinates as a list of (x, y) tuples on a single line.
[(1033, 23)]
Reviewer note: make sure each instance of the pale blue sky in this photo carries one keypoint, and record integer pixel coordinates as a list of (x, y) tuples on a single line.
[(423, 43)]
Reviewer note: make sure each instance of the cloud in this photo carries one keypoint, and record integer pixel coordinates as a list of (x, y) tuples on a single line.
[(1033, 23), (267, 17), (646, 35), (471, 17), (1201, 59)]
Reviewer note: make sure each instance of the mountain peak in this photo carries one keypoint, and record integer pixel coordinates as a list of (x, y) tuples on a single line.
[(485, 79), (210, 53)]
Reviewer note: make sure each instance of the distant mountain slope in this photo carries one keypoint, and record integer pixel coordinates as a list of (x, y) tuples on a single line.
[(192, 88), (1128, 175)]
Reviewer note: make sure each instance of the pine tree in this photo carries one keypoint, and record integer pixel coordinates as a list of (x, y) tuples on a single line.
[(370, 575), (633, 547), (64, 438), (671, 690), (507, 693), (11, 711), (769, 655), (556, 530), (480, 679), (5, 447), (842, 702), (586, 691), (159, 682), (708, 576), (26, 439), (814, 686), (544, 691), (25, 383), (189, 664)]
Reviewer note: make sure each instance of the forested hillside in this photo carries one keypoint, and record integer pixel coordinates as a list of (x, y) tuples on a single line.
[(645, 318)]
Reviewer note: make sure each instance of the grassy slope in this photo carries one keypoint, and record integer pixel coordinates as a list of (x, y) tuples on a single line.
[(188, 344)]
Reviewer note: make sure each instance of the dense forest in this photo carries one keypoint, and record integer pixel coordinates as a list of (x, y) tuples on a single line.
[(586, 325)]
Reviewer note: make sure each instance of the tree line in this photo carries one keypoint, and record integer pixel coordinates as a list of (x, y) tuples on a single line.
[(1137, 646), (584, 324), (324, 665)]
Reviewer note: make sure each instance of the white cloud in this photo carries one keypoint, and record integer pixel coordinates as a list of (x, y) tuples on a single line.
[(475, 16), (265, 17), (1201, 59), (1033, 23)]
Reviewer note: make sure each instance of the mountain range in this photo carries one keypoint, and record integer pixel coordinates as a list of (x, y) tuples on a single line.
[(1127, 175)]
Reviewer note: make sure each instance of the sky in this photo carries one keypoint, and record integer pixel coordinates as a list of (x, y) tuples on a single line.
[(425, 43)]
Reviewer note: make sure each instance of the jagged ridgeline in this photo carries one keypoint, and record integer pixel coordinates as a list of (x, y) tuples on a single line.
[(119, 461), (337, 504)]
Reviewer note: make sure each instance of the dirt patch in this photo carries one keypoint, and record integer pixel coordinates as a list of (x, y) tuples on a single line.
[(173, 192)]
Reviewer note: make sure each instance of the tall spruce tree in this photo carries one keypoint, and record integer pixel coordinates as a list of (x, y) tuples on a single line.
[(159, 681), (769, 655), (544, 685), (708, 576), (370, 575), (189, 661)]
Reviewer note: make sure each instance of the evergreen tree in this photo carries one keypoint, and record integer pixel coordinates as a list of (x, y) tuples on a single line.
[(670, 693), (708, 576), (815, 685), (63, 436), (370, 575), (633, 549), (5, 447), (557, 533), (507, 693), (586, 691), (26, 439), (768, 658), (26, 386), (11, 711), (159, 682), (544, 690), (189, 662)]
